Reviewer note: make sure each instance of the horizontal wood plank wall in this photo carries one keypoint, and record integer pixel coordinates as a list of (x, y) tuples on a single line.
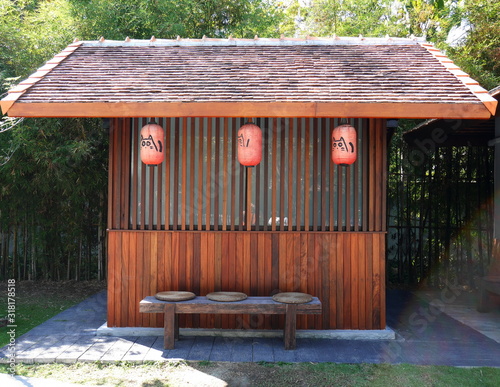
[(344, 270)]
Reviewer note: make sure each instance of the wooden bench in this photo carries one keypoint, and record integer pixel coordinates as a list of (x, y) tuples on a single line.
[(487, 286), (252, 305)]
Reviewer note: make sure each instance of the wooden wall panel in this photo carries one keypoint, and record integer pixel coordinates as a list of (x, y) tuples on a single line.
[(345, 270)]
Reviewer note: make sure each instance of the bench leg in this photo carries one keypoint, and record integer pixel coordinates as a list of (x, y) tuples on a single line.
[(290, 326), (170, 330)]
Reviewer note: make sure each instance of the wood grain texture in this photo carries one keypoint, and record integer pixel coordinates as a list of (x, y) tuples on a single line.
[(326, 265)]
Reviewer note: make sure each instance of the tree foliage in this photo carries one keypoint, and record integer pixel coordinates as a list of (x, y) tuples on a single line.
[(479, 52), (53, 171), (168, 19)]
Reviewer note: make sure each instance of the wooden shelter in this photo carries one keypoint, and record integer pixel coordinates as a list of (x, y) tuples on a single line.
[(296, 222)]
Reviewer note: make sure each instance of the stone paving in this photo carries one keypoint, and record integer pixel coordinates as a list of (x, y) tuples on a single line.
[(424, 335)]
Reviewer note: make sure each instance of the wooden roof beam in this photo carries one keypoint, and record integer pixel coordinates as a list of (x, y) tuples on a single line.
[(250, 109)]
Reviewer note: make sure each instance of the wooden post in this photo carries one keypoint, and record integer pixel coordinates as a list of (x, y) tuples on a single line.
[(290, 325), (170, 327)]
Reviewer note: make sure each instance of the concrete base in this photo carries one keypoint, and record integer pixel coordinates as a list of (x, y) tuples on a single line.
[(382, 334)]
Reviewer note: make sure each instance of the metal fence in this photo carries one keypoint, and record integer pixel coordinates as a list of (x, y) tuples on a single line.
[(440, 215)]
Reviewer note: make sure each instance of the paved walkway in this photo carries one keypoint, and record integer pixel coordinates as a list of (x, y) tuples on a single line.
[(424, 335)]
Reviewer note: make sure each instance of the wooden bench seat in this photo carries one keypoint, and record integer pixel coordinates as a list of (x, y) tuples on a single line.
[(251, 305), (487, 286)]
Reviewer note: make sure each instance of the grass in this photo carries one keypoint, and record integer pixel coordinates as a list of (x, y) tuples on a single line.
[(36, 302), (182, 373)]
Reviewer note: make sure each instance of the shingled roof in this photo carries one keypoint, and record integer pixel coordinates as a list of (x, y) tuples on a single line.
[(341, 77)]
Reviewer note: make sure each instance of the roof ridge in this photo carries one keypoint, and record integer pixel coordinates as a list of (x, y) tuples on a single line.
[(256, 41), (17, 91), (481, 93)]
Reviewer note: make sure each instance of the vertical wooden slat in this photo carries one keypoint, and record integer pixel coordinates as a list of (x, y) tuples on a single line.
[(268, 264), (324, 172), (311, 273), (381, 261), (347, 293), (153, 269), (372, 177), (298, 177), (160, 272), (248, 204), (177, 133), (282, 176), (184, 163), (135, 164), (383, 195), (376, 285), (333, 279), (169, 162), (188, 269), (225, 143), (217, 174), (303, 270), (290, 185), (355, 215), (354, 281), (315, 153), (339, 269), (340, 178), (348, 198), (366, 160), (369, 280), (151, 199), (192, 159), (115, 198), (111, 173), (112, 280), (274, 155), (307, 176), (131, 246), (200, 174), (258, 194), (208, 189), (363, 279), (146, 268), (124, 173), (159, 185), (324, 264), (378, 177), (332, 179), (265, 163), (234, 170)]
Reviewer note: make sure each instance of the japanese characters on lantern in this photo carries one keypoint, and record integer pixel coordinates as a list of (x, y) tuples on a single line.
[(249, 145), (152, 152), (344, 145)]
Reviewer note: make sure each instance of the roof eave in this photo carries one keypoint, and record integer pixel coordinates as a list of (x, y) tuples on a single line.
[(396, 110)]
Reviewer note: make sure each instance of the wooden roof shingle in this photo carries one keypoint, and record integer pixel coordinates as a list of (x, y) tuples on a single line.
[(392, 78)]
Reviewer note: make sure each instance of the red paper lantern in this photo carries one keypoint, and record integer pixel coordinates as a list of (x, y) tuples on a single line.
[(249, 145), (344, 145), (152, 152)]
